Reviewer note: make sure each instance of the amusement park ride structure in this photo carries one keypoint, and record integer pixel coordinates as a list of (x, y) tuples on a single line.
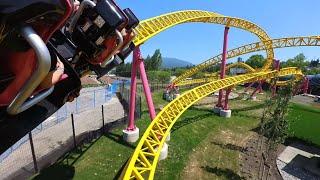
[(143, 162), (85, 57)]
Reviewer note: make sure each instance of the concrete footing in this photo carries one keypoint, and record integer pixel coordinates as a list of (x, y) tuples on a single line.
[(168, 137), (131, 136), (225, 113), (164, 152), (253, 98), (216, 110)]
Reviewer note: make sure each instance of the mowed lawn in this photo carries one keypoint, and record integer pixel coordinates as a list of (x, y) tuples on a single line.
[(197, 130), (305, 122)]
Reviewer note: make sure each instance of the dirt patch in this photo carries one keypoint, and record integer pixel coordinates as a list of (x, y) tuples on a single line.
[(251, 162)]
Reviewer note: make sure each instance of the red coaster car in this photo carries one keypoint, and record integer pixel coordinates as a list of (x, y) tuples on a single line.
[(45, 47)]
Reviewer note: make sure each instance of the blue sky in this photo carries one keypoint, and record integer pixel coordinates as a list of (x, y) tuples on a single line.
[(196, 42)]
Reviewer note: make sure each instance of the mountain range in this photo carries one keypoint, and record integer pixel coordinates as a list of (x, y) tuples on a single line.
[(168, 62)]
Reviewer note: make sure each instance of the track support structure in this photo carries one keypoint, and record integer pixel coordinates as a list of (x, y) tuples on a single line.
[(223, 68), (131, 134)]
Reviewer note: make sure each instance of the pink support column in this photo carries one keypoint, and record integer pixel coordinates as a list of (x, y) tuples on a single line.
[(276, 67), (257, 89), (223, 63), (133, 89), (248, 87), (145, 84), (226, 101), (306, 85)]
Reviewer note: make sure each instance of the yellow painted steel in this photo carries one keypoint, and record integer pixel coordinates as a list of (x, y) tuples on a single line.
[(143, 162), (151, 27), (214, 76), (249, 48), (237, 64)]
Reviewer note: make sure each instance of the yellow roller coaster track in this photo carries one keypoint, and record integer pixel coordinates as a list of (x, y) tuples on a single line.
[(151, 27), (237, 64), (249, 48), (143, 162), (214, 76)]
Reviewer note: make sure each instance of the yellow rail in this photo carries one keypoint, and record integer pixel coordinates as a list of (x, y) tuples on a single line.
[(151, 27), (143, 162), (249, 48), (214, 76), (237, 64)]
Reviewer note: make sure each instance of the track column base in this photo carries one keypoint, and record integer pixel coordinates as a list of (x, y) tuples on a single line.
[(253, 98), (168, 137), (131, 136), (164, 152), (225, 113)]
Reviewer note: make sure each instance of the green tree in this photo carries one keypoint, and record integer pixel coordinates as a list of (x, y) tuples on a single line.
[(256, 61), (154, 62), (298, 61)]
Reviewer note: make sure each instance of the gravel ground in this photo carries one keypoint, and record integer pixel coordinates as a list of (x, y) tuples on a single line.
[(53, 142)]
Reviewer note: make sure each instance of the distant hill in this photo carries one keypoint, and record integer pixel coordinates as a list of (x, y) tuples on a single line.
[(174, 62)]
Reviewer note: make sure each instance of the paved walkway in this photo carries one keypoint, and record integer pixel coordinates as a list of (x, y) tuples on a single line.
[(299, 162), (53, 142)]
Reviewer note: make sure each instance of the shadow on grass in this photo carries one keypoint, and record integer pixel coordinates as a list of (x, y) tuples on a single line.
[(227, 173), (189, 120), (259, 106), (63, 168), (118, 139), (57, 171), (230, 147)]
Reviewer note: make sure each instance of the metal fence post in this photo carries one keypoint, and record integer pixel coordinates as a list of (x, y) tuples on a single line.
[(102, 111), (73, 131), (36, 170)]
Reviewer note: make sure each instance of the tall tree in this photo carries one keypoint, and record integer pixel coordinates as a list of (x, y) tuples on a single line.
[(256, 61), (156, 60), (299, 61)]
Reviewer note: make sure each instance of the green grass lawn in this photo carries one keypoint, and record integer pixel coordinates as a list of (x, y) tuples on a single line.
[(305, 122), (198, 137)]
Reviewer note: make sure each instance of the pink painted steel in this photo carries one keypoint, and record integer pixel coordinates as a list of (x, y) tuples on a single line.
[(147, 91), (276, 66), (258, 89), (305, 85), (133, 89), (226, 101), (248, 87), (223, 63), (145, 83)]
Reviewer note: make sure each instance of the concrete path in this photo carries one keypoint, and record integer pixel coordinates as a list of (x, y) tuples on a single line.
[(298, 161)]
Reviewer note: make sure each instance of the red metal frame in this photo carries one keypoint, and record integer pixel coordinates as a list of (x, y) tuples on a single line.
[(24, 69)]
